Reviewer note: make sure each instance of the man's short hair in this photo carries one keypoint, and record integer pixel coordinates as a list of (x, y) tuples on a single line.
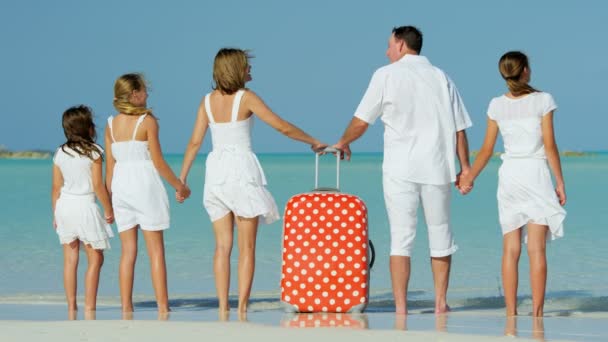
[(410, 35)]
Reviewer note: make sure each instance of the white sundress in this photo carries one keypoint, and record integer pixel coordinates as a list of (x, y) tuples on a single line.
[(76, 213), (234, 179), (138, 194), (525, 190)]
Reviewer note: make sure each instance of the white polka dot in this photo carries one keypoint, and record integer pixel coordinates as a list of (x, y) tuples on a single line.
[(324, 294), (320, 243), (342, 251), (329, 224), (302, 300), (287, 298), (364, 272), (294, 218), (344, 211), (313, 237), (288, 270), (303, 271), (313, 250), (362, 300), (355, 293), (319, 258), (326, 280), (344, 199), (357, 238), (309, 294), (363, 285), (330, 211), (343, 238), (295, 205), (357, 251), (327, 237), (292, 231), (349, 273), (333, 273), (311, 265), (306, 243), (324, 309), (289, 256), (315, 224), (307, 231), (332, 287), (349, 258), (311, 279), (317, 301), (358, 225), (304, 257), (294, 292), (335, 244), (340, 294), (337, 205), (352, 205), (358, 212), (319, 272), (299, 237), (296, 264), (296, 278), (340, 280), (302, 286), (326, 265), (350, 232), (341, 265), (323, 205), (331, 199), (288, 283), (298, 250), (316, 199), (347, 301), (332, 301), (347, 286), (310, 308), (336, 218), (351, 218), (356, 279), (343, 224), (350, 245), (317, 287), (327, 250), (315, 211), (364, 258), (334, 258), (321, 218), (308, 205), (321, 230), (291, 243), (357, 265)]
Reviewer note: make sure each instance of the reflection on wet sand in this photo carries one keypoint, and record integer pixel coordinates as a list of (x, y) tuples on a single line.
[(400, 322), (325, 319), (538, 327)]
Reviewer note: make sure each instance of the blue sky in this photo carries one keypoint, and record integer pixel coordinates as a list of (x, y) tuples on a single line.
[(313, 61)]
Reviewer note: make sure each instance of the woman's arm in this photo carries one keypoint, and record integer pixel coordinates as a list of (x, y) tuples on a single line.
[(101, 191), (553, 156), (157, 156), (56, 189), (196, 140), (255, 104), (484, 155), (110, 161)]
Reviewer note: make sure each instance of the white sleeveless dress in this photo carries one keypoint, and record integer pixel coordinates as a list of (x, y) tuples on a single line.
[(76, 213), (234, 179), (525, 189), (138, 194)]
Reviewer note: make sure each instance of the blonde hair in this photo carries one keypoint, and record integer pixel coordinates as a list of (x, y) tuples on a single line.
[(511, 66), (123, 88), (230, 69), (79, 130)]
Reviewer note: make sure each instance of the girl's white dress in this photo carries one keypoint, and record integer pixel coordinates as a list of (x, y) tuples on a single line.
[(76, 213), (234, 179), (525, 189), (138, 194)]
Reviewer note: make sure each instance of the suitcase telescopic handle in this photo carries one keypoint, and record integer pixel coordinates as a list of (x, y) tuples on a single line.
[(337, 153)]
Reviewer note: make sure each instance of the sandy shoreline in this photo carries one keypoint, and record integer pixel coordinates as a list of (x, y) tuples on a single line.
[(104, 331)]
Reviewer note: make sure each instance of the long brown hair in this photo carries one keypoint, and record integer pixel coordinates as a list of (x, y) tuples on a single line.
[(123, 88), (511, 66), (230, 69), (79, 129)]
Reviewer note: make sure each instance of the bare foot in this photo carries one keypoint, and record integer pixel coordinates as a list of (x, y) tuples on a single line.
[(442, 309)]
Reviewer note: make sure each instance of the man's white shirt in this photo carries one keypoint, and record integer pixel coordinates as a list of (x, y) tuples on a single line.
[(421, 110)]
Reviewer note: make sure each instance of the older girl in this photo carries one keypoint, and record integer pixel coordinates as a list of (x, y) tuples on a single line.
[(526, 197)]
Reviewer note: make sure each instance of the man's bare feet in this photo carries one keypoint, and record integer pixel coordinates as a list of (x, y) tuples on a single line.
[(442, 309)]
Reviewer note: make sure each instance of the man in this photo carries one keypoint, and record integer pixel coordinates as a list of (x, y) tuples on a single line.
[(424, 120)]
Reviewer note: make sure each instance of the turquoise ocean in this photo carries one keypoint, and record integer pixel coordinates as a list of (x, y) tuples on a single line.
[(31, 256)]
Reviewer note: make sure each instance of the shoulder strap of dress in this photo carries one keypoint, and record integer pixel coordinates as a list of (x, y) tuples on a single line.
[(110, 127), (236, 104), (139, 121), (208, 108)]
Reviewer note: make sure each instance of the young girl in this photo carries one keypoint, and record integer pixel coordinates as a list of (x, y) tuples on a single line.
[(77, 178), (234, 180), (526, 196), (139, 198)]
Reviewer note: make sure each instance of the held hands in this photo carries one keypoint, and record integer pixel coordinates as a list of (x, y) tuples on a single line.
[(464, 182), (182, 192), (318, 147), (109, 215), (345, 150)]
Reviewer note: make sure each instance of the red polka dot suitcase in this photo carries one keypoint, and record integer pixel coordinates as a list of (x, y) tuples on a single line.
[(326, 262)]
